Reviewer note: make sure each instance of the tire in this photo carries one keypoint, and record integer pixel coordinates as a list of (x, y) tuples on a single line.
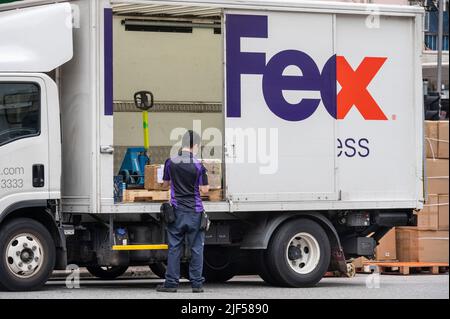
[(299, 254), (217, 276), (107, 273), (217, 265), (25, 243), (159, 269), (263, 270)]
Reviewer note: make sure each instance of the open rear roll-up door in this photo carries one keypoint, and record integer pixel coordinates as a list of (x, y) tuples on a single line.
[(280, 137)]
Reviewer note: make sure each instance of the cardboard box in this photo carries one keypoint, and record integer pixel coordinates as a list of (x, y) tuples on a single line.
[(386, 249), (437, 185), (436, 139), (415, 245), (153, 178), (443, 139), (431, 138), (434, 216), (443, 212), (428, 217), (437, 176), (437, 167), (214, 168)]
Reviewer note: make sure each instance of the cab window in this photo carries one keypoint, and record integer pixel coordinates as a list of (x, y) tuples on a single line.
[(20, 111)]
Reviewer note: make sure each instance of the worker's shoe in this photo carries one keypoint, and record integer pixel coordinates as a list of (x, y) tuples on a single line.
[(197, 289), (162, 288)]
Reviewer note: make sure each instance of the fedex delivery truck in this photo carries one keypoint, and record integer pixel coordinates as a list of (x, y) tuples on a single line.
[(321, 139)]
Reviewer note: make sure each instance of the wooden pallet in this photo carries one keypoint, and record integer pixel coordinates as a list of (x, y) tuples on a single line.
[(142, 195), (214, 195), (406, 268)]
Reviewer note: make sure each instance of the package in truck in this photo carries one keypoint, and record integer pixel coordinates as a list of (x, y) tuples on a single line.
[(214, 171), (154, 177)]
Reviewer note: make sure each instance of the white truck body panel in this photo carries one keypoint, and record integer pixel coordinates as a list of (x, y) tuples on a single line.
[(355, 158), (309, 177), (35, 39)]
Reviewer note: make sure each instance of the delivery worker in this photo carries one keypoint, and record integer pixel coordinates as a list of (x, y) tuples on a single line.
[(186, 177)]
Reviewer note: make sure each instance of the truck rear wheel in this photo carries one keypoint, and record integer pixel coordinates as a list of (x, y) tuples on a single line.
[(107, 273), (299, 254), (218, 265), (215, 275), (159, 269), (264, 271), (27, 255)]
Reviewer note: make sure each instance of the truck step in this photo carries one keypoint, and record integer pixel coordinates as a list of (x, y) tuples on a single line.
[(141, 247), (142, 195), (407, 268)]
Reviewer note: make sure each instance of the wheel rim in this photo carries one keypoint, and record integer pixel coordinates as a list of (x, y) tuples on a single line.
[(303, 253), (24, 255)]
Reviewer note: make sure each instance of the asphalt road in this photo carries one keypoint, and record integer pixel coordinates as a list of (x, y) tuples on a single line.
[(390, 287)]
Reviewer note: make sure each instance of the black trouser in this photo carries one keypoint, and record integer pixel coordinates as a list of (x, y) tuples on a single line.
[(186, 224)]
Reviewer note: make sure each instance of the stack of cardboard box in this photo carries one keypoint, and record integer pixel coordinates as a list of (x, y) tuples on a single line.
[(214, 171), (153, 178), (428, 242)]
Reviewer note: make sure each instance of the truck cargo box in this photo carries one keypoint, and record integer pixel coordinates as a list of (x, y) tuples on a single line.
[(311, 121)]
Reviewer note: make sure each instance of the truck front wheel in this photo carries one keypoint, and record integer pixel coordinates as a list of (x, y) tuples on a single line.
[(27, 255), (299, 254)]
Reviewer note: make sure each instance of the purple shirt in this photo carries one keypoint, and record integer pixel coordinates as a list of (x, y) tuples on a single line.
[(186, 174)]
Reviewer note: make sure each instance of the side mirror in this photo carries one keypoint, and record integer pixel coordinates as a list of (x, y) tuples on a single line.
[(143, 100)]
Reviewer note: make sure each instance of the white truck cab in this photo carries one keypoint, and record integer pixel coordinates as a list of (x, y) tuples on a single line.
[(30, 139)]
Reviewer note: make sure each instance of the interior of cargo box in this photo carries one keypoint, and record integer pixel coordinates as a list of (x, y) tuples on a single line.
[(174, 52)]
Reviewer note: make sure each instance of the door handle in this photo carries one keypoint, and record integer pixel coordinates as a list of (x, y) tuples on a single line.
[(38, 175), (106, 149)]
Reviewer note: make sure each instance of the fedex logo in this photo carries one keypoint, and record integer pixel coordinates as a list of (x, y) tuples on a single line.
[(353, 83)]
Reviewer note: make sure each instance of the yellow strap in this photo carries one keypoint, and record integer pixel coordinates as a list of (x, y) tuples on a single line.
[(146, 130), (140, 247)]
